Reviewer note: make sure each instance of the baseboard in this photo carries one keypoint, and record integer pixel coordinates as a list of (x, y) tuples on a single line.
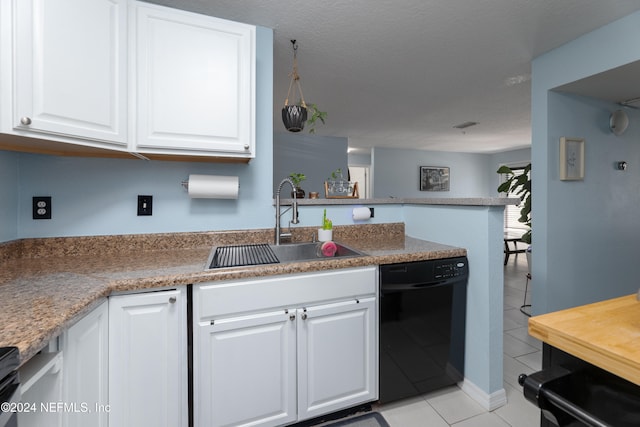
[(487, 401)]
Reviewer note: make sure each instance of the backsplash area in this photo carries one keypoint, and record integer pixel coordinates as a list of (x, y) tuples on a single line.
[(391, 234)]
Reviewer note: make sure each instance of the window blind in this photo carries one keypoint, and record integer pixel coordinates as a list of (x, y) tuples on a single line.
[(512, 212)]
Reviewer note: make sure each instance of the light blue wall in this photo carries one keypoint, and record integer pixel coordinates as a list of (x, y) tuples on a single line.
[(315, 156), (396, 173), (479, 230), (99, 196), (8, 196), (583, 232)]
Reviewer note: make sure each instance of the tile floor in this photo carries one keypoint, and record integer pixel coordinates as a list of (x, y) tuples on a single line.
[(522, 354)]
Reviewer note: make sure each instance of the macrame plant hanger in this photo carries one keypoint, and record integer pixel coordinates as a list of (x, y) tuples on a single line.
[(294, 116)]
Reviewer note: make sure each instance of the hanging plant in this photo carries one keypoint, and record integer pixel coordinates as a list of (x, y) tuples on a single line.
[(295, 116)]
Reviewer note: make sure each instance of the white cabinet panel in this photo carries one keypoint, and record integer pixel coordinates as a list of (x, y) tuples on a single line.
[(194, 82), (246, 371), (275, 366), (147, 359), (86, 369), (337, 356), (71, 68)]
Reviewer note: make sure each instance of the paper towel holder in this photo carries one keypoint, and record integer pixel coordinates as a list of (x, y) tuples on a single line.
[(185, 185)]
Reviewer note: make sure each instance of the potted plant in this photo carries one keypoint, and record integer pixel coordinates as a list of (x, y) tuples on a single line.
[(315, 116), (294, 117), (520, 185), (325, 234), (297, 179)]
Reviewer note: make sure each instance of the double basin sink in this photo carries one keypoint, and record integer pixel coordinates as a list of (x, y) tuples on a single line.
[(258, 254)]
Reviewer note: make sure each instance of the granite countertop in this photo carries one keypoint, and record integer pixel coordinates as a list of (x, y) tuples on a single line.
[(45, 291), (604, 334)]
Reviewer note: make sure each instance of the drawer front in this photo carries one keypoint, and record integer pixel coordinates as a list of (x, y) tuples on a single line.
[(221, 299)]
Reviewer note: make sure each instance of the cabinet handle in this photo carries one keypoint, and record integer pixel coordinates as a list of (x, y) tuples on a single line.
[(292, 317), (26, 121), (304, 316), (246, 146), (172, 300)]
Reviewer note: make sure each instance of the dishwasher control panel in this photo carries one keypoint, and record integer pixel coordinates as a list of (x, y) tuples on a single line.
[(449, 269)]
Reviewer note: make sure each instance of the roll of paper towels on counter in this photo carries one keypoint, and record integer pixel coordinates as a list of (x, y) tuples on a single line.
[(213, 187), (361, 214)]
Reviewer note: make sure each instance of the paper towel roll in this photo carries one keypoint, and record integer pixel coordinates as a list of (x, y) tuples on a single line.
[(361, 214), (213, 187)]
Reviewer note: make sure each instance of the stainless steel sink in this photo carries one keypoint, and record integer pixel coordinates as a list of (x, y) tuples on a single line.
[(244, 255), (309, 251)]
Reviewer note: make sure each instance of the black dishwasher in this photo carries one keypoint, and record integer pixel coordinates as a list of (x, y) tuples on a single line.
[(422, 326)]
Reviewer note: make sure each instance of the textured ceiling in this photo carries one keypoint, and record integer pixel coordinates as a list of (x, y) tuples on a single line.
[(402, 73)]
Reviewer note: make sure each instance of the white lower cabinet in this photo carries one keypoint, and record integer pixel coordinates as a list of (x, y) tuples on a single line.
[(271, 365), (337, 355), (148, 359), (86, 367), (247, 371)]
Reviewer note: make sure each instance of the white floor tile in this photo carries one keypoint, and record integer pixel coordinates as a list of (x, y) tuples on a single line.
[(519, 412), (455, 406), (533, 360), (413, 412), (522, 334), (487, 419), (513, 347)]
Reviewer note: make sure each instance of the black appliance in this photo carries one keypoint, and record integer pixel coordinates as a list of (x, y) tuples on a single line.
[(423, 308), (573, 393), (9, 386)]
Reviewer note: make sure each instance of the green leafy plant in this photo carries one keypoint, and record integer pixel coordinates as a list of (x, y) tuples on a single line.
[(313, 116), (297, 178), (326, 223), (520, 185), (336, 174)]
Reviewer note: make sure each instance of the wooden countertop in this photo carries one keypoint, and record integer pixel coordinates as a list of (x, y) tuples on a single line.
[(55, 282), (605, 334)]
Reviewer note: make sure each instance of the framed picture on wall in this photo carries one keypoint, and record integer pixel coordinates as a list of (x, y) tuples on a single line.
[(571, 159), (434, 178)]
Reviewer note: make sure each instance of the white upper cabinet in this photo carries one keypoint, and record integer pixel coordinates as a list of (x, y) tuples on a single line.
[(70, 69), (194, 81), (126, 75)]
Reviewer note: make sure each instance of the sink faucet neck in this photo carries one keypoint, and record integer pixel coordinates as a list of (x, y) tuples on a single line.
[(294, 208)]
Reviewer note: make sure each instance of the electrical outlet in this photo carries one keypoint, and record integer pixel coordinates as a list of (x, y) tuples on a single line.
[(41, 207), (145, 205)]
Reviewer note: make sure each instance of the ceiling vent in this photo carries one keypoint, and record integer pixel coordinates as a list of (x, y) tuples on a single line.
[(465, 125)]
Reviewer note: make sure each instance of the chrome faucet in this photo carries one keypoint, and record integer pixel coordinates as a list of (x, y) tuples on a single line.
[(294, 214)]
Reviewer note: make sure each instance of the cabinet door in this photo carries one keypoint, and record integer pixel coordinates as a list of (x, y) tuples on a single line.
[(337, 356), (194, 81), (86, 369), (71, 68), (245, 371), (148, 359)]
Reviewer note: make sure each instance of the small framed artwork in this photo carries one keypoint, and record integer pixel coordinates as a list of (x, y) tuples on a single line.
[(571, 159), (434, 178)]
